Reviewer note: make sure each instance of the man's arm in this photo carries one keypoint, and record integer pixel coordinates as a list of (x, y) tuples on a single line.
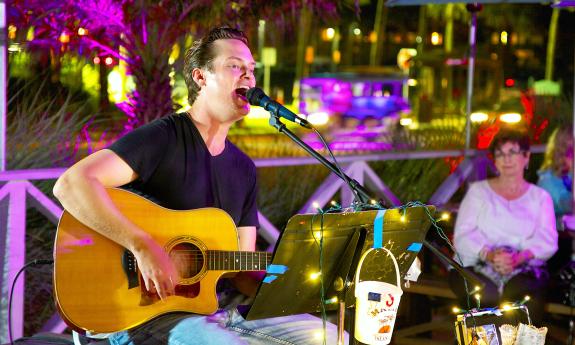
[(247, 282), (82, 192), (247, 237)]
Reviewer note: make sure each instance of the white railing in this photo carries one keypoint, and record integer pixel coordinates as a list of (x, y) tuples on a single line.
[(18, 193)]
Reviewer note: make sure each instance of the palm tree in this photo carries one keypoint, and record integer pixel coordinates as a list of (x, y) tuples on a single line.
[(551, 42), (379, 29), (147, 31), (448, 13)]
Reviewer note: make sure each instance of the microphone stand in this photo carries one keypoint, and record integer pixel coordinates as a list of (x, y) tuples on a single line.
[(364, 196)]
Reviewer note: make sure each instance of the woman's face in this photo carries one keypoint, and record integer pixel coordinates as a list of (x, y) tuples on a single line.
[(510, 160)]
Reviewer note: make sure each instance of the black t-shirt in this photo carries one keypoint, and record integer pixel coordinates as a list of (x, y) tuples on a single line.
[(176, 170)]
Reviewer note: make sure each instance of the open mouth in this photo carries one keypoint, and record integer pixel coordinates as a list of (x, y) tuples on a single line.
[(241, 92)]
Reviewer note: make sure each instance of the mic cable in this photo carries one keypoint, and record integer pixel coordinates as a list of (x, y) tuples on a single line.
[(36, 262)]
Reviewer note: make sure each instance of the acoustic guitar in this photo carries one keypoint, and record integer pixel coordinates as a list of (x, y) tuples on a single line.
[(98, 287)]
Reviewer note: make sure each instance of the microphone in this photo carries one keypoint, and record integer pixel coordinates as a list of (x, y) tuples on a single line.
[(256, 96)]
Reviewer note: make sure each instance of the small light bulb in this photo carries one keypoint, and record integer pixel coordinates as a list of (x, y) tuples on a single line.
[(456, 310), (315, 275), (445, 216), (527, 298), (317, 235), (477, 296), (373, 201), (506, 307), (402, 218), (333, 203), (315, 204)]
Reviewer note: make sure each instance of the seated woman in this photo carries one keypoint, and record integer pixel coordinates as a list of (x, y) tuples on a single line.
[(556, 177), (505, 231), (556, 173)]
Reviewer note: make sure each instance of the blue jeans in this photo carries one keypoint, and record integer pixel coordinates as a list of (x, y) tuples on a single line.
[(228, 327)]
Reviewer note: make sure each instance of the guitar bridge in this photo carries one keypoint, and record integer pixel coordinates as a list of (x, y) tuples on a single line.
[(130, 267)]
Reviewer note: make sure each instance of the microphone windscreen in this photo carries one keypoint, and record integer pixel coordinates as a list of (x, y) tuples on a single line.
[(255, 95)]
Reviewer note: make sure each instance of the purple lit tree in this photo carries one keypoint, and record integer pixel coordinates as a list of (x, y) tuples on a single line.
[(147, 31)]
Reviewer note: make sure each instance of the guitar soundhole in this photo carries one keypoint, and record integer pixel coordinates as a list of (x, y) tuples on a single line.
[(188, 259)]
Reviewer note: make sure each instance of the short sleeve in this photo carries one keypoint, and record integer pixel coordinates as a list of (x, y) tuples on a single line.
[(144, 148), (250, 209)]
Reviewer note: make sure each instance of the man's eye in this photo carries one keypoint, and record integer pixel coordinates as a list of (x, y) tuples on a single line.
[(235, 66)]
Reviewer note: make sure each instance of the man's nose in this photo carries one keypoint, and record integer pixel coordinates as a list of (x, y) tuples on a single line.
[(249, 75)]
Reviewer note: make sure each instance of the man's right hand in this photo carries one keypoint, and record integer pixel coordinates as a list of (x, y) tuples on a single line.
[(158, 271)]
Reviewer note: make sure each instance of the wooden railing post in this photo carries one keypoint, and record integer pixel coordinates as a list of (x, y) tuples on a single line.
[(14, 255)]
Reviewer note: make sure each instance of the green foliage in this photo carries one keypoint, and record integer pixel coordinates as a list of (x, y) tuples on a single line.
[(283, 191), (43, 125), (412, 179)]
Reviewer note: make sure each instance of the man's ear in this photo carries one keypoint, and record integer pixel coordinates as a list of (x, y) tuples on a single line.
[(199, 77)]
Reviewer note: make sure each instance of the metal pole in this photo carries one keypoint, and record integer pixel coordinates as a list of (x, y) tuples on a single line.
[(473, 8), (3, 84)]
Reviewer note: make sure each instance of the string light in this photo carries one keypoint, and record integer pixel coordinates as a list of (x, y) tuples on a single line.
[(456, 310), (316, 206), (525, 299), (475, 289), (402, 218), (445, 216)]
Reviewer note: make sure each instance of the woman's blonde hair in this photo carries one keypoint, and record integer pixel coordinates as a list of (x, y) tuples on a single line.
[(560, 141)]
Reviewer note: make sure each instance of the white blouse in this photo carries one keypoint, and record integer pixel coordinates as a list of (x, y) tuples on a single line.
[(485, 218)]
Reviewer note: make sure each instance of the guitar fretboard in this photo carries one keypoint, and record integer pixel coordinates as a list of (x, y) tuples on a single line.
[(237, 260)]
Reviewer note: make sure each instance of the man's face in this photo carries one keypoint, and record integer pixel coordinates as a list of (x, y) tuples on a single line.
[(232, 74)]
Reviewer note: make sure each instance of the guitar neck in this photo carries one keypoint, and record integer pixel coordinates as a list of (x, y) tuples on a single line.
[(220, 260)]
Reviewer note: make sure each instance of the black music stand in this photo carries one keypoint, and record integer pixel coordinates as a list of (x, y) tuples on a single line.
[(289, 288)]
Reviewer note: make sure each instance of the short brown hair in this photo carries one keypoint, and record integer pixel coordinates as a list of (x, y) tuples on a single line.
[(201, 54), (509, 136)]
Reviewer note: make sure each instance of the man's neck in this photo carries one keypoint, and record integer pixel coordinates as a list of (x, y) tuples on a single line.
[(213, 132)]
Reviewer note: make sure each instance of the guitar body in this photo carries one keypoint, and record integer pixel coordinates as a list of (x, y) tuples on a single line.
[(93, 290)]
